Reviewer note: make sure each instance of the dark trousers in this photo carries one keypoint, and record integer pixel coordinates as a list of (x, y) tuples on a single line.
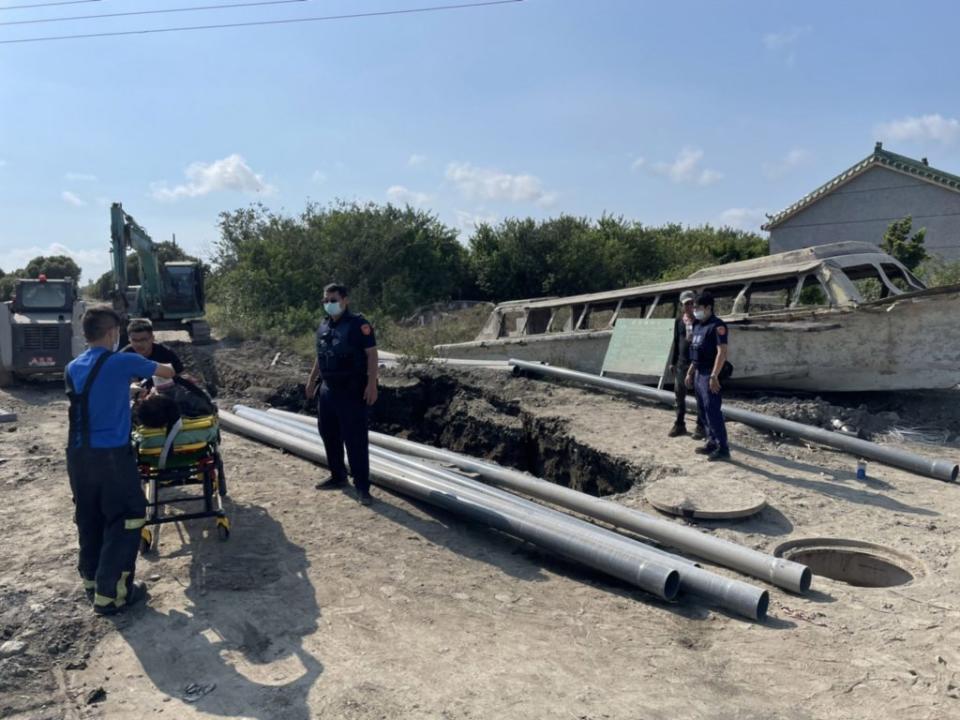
[(712, 404), (680, 393), (342, 421), (110, 510)]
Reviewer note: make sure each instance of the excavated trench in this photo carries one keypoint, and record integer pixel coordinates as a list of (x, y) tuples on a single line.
[(462, 412)]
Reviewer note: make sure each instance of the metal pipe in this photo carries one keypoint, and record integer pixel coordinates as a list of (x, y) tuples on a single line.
[(650, 576), (939, 469), (784, 573), (729, 593)]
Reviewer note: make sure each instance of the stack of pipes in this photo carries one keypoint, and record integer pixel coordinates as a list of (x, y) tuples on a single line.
[(412, 469)]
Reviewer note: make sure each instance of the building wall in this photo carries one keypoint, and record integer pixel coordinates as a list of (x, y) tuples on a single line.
[(862, 210)]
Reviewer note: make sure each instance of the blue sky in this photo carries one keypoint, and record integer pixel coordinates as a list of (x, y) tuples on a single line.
[(685, 111)]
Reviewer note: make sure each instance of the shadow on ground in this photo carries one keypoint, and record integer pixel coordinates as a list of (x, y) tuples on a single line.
[(238, 650)]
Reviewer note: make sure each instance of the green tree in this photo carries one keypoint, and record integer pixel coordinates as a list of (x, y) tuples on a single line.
[(53, 266), (898, 242)]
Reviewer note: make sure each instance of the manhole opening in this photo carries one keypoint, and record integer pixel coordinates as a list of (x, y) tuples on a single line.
[(857, 567)]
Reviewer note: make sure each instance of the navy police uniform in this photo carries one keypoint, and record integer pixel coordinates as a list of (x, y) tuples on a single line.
[(110, 506), (708, 336), (341, 410)]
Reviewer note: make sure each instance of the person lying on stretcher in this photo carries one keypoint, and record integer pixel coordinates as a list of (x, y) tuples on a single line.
[(169, 400)]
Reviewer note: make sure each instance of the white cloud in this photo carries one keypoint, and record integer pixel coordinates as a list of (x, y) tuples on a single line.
[(687, 169), (93, 263), (933, 128), (230, 173), (79, 177), (638, 163), (470, 221), (71, 199), (400, 195), (786, 42), (318, 177), (414, 160), (486, 184), (743, 218), (792, 160)]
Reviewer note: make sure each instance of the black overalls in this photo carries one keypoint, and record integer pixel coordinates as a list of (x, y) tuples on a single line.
[(341, 409), (109, 500)]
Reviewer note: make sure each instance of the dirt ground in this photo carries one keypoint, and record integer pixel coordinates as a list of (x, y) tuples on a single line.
[(317, 607)]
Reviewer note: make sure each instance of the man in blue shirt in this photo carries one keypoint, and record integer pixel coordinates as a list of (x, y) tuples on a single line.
[(109, 502), (348, 365), (708, 353)]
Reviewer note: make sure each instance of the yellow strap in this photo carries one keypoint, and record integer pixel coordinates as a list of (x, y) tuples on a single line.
[(134, 523)]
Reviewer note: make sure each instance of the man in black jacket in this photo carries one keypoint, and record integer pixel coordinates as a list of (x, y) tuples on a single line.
[(680, 363)]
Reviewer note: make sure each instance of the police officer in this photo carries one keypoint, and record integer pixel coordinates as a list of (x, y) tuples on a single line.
[(708, 353), (107, 494), (347, 364), (680, 363)]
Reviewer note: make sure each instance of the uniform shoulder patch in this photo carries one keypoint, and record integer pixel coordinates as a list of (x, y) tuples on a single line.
[(722, 330), (366, 329)]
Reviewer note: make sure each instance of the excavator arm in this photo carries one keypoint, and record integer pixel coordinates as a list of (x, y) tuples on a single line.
[(126, 233)]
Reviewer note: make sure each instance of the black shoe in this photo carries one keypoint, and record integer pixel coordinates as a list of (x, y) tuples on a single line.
[(331, 483), (707, 449), (677, 430), (698, 433), (719, 454), (138, 593), (365, 499)]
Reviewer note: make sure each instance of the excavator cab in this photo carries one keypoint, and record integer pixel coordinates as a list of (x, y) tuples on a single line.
[(183, 288)]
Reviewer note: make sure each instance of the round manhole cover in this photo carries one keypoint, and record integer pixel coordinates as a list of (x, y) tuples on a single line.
[(706, 499), (853, 562)]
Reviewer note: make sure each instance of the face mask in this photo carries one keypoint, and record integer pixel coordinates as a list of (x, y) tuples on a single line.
[(332, 308), (699, 314), (116, 343)]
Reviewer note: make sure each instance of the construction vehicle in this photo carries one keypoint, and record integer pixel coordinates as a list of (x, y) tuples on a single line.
[(40, 328), (170, 294)]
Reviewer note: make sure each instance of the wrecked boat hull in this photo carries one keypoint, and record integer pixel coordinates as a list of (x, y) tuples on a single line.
[(907, 342)]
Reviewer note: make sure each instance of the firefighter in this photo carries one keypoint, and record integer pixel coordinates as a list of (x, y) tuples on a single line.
[(107, 494)]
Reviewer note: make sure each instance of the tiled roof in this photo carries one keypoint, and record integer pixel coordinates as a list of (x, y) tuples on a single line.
[(879, 158)]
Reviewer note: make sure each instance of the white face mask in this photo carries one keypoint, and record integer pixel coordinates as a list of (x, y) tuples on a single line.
[(699, 314), (116, 343)]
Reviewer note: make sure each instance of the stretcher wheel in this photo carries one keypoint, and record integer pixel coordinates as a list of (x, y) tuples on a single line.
[(221, 478), (223, 528), (146, 540)]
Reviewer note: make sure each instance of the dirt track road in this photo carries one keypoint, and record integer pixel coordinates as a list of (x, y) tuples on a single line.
[(320, 608)]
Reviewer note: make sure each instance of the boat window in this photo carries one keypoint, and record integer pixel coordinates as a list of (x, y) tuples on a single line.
[(666, 308), (633, 309), (599, 317), (812, 293), (537, 320), (897, 277), (514, 321), (770, 295), (561, 319)]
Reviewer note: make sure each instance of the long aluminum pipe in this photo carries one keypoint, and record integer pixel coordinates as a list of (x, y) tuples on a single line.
[(729, 593), (940, 469), (652, 577), (784, 573)]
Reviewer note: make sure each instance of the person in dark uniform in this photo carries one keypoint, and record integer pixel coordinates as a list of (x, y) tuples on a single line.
[(347, 365), (140, 334), (708, 354), (107, 494), (680, 363)]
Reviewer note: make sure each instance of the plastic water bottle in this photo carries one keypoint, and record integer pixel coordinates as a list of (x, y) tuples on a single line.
[(861, 469)]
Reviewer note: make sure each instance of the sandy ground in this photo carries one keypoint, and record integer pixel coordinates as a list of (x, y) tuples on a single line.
[(319, 608)]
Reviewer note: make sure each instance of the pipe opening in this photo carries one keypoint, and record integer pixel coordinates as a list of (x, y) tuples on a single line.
[(853, 562)]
